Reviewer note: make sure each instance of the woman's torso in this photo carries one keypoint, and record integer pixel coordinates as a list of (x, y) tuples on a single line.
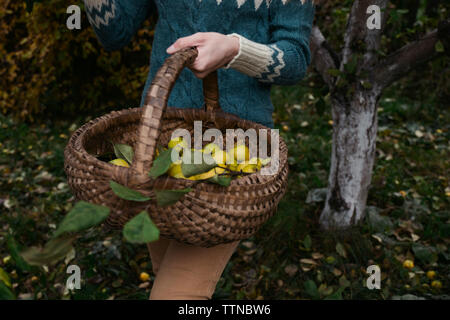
[(239, 94)]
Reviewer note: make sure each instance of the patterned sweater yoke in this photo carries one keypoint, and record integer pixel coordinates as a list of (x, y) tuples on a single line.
[(273, 37)]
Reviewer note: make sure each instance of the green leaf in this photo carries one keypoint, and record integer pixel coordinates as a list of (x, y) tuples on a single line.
[(307, 242), (341, 250), (5, 278), (311, 289), (141, 229), (334, 72), (166, 198), (14, 252), (55, 250), (439, 47), (189, 168), (350, 67), (83, 215), (124, 151), (366, 84), (377, 222), (221, 180), (5, 293), (337, 295), (424, 253), (127, 193), (161, 163)]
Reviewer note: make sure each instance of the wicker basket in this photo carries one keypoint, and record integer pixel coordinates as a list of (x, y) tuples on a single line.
[(208, 215)]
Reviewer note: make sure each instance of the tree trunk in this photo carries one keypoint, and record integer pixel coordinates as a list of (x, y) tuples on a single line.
[(353, 154), (354, 105)]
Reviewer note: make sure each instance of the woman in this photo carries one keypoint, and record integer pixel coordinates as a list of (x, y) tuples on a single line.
[(253, 44)]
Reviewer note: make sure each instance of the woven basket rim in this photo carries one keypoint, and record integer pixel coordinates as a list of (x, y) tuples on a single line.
[(76, 143)]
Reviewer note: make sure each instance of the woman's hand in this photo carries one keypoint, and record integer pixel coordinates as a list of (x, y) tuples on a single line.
[(214, 51)]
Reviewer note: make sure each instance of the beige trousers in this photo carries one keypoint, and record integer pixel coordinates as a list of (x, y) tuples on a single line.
[(186, 272)]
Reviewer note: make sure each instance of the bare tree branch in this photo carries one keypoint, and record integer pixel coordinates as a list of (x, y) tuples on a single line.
[(322, 56), (405, 59), (352, 31), (357, 31)]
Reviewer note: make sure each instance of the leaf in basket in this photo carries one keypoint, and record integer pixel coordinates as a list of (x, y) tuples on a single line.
[(54, 250), (189, 168), (83, 216), (127, 193), (166, 198), (141, 229), (221, 180), (124, 151), (161, 163)]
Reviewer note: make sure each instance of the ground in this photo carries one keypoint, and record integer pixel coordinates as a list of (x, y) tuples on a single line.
[(291, 257)]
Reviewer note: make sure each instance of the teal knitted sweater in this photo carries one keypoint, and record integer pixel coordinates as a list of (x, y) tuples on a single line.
[(273, 37)]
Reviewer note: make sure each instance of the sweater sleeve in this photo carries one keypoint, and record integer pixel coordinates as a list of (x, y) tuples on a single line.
[(285, 59), (116, 21)]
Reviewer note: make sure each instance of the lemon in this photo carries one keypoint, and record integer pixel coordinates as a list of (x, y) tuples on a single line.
[(179, 141), (144, 276), (211, 173), (120, 162), (436, 284), (240, 153), (431, 274), (175, 171), (247, 167), (257, 162), (265, 162), (211, 148), (408, 264), (220, 157)]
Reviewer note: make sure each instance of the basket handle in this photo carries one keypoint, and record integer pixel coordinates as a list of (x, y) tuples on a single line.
[(156, 103)]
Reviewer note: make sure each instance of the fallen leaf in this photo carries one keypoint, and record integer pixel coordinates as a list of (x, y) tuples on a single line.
[(291, 269)]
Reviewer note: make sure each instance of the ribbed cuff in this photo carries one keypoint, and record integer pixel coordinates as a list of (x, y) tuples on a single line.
[(252, 59)]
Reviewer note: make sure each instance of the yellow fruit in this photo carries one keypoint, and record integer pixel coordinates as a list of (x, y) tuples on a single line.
[(177, 142), (34, 278), (120, 162), (175, 171), (211, 148), (431, 274), (6, 259), (408, 264), (211, 173), (436, 284), (220, 157), (256, 161), (265, 162), (240, 153), (247, 167), (144, 276)]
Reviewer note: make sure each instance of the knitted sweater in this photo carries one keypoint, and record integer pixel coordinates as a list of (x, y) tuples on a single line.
[(273, 36)]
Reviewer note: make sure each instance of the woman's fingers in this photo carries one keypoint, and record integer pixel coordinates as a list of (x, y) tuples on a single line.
[(214, 51), (185, 42)]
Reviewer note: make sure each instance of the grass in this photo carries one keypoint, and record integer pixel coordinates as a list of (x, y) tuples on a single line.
[(291, 257)]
